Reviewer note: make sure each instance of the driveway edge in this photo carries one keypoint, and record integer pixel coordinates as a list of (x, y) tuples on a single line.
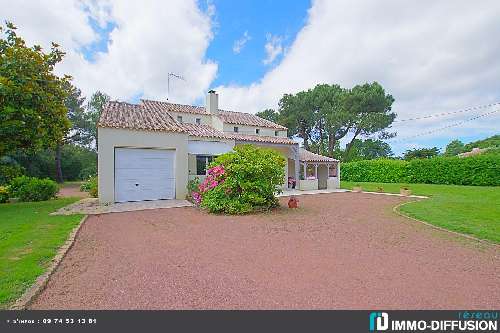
[(396, 210), (41, 282)]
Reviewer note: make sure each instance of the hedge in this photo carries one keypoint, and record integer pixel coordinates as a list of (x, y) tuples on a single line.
[(482, 170)]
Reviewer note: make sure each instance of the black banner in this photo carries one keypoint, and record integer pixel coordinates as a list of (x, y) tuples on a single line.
[(249, 321)]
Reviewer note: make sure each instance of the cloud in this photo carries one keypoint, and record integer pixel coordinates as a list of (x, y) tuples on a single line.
[(273, 48), (149, 39), (239, 44), (431, 56)]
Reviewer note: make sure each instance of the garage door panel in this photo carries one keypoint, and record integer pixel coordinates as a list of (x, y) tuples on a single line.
[(144, 174)]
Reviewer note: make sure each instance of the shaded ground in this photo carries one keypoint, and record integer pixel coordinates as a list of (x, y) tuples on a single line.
[(340, 250), (72, 190)]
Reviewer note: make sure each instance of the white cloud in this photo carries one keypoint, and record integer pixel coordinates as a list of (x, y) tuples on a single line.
[(239, 44), (273, 48), (150, 39), (431, 56)]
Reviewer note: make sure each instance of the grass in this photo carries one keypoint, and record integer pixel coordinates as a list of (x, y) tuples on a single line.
[(29, 239), (472, 210)]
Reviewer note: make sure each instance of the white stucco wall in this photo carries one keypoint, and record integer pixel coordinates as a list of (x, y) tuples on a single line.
[(190, 118), (244, 129), (111, 138)]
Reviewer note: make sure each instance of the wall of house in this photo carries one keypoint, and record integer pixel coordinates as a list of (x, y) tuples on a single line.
[(244, 129), (111, 138), (190, 118)]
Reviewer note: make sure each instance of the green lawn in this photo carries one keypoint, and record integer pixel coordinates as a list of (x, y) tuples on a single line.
[(473, 210), (29, 239)]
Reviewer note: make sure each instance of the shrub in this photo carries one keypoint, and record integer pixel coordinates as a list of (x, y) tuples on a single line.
[(481, 170), (91, 186), (4, 194), (33, 189), (193, 187), (242, 180), (9, 170)]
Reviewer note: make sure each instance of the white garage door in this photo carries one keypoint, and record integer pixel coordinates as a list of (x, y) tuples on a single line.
[(144, 174)]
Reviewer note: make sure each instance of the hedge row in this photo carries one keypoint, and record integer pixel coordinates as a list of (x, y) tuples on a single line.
[(483, 170)]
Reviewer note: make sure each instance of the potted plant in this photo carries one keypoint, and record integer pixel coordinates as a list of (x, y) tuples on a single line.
[(357, 188), (405, 190)]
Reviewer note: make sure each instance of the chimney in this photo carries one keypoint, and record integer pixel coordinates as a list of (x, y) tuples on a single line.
[(212, 102)]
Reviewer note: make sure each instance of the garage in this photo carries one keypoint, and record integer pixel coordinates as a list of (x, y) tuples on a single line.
[(144, 174)]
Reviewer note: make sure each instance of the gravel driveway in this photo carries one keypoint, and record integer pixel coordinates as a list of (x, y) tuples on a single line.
[(340, 250)]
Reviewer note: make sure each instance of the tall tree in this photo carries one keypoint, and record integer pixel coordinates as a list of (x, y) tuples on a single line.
[(454, 148), (79, 122), (421, 153), (297, 113), (94, 108), (32, 110), (371, 108)]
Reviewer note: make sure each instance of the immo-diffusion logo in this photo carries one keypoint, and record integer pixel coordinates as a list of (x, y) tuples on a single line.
[(379, 321)]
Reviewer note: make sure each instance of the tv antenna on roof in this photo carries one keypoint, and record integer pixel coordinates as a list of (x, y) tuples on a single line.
[(168, 82)]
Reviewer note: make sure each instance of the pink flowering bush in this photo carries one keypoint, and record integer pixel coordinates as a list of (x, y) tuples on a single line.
[(242, 180)]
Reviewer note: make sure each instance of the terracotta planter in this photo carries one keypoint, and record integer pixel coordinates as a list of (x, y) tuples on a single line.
[(405, 192), (357, 189)]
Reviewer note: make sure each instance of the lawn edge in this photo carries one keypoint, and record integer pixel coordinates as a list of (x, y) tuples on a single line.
[(41, 282), (396, 209)]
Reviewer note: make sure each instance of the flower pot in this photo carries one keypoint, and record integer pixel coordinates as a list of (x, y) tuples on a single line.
[(357, 189), (405, 192)]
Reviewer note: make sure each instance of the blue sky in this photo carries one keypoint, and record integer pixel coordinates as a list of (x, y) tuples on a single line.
[(234, 18), (253, 52)]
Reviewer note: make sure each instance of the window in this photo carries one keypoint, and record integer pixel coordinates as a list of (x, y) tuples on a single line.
[(236, 129), (179, 119), (198, 121), (276, 133), (202, 161), (257, 130)]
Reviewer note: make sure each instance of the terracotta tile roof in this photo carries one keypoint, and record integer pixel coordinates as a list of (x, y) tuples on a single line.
[(167, 106), (138, 117), (307, 156), (240, 118), (205, 131), (260, 138), (230, 117)]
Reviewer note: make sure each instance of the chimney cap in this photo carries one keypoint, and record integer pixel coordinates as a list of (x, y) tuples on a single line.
[(211, 91)]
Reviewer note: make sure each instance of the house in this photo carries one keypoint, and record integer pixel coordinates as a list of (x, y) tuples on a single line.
[(150, 150)]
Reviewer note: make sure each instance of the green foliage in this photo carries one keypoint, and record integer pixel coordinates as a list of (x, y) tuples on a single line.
[(91, 186), (32, 110), (421, 153), (192, 186), (269, 114), (251, 178), (9, 169), (454, 148), (94, 108), (77, 162), (4, 194), (327, 113), (478, 170), (381, 170), (33, 189), (491, 142), (368, 150)]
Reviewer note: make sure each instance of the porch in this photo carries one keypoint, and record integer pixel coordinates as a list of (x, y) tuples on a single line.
[(316, 172)]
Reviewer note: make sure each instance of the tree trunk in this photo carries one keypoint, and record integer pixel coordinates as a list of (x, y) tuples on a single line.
[(306, 140), (59, 174), (331, 144), (349, 145)]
